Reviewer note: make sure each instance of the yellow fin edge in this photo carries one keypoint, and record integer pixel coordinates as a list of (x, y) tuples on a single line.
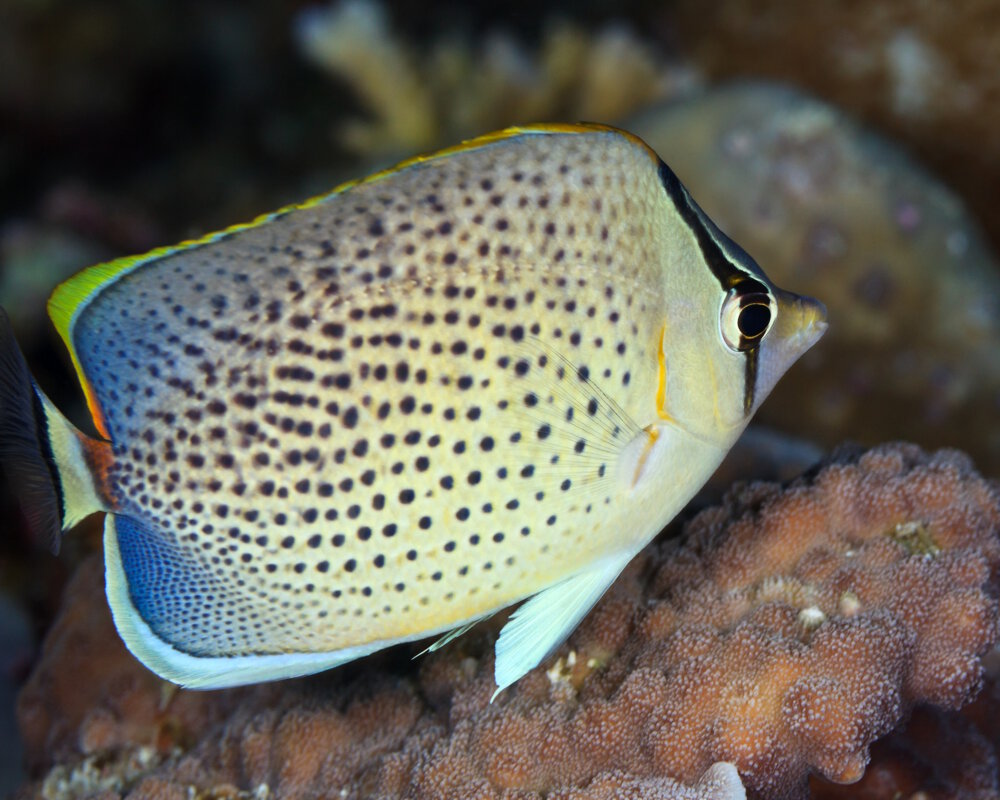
[(71, 296)]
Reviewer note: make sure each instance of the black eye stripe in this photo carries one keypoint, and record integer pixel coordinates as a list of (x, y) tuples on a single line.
[(750, 378), (747, 288), (721, 265), (729, 276)]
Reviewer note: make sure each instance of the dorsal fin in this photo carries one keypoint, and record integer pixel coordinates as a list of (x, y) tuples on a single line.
[(71, 297)]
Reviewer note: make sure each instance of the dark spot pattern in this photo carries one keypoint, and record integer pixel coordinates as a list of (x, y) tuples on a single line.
[(375, 402)]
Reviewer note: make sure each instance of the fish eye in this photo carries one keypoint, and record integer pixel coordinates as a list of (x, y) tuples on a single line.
[(747, 313)]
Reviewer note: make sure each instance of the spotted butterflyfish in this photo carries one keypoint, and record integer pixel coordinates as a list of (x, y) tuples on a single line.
[(487, 375)]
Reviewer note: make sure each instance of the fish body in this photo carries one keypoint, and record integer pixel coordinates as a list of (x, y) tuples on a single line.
[(490, 374)]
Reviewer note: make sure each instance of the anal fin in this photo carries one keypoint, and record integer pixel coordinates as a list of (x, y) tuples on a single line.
[(139, 567), (543, 622)]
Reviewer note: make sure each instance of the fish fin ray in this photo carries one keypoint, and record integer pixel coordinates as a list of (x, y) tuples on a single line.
[(46, 457), (586, 430), (453, 634), (611, 417), (544, 621)]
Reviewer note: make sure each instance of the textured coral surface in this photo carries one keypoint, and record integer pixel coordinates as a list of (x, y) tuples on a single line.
[(938, 754), (784, 632)]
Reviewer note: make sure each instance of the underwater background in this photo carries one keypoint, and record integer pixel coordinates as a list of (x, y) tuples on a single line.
[(849, 147)]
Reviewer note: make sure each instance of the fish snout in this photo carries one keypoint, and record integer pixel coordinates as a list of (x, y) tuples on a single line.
[(802, 321)]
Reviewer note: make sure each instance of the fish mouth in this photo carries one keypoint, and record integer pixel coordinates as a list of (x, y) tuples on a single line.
[(814, 316), (804, 321), (801, 322)]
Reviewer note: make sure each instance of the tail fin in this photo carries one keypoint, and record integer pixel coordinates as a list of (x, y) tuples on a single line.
[(49, 462)]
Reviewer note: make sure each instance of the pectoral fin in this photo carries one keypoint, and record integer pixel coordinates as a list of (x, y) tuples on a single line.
[(542, 623)]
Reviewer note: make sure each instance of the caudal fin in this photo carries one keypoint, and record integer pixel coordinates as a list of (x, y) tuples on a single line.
[(43, 454)]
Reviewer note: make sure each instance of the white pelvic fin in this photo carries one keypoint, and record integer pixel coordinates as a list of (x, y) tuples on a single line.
[(542, 623), (451, 635)]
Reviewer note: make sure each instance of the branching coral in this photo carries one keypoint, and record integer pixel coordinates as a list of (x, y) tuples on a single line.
[(785, 632), (454, 89), (937, 756)]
